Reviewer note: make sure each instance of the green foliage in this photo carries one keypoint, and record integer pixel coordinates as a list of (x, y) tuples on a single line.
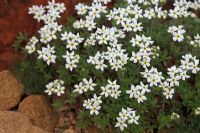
[(57, 104), (28, 72), (83, 120), (20, 39)]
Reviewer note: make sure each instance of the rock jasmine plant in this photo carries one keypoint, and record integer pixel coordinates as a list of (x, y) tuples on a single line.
[(133, 66)]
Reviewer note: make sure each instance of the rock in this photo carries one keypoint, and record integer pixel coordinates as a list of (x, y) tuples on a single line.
[(10, 90), (3, 66), (92, 129), (35, 129), (8, 56), (70, 131), (14, 122), (39, 112)]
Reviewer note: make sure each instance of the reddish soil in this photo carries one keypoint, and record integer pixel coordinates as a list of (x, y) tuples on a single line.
[(14, 18)]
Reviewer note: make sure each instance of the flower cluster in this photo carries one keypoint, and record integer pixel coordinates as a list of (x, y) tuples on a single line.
[(126, 116), (71, 59), (55, 87), (196, 41), (123, 40), (111, 89), (48, 14), (155, 78), (71, 40), (93, 104), (181, 8), (114, 55), (31, 45), (177, 32), (176, 74), (91, 13), (188, 63), (143, 56), (174, 116), (37, 11), (84, 86), (138, 92), (47, 54)]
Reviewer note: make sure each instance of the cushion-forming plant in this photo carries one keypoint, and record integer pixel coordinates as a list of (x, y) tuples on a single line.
[(126, 60)]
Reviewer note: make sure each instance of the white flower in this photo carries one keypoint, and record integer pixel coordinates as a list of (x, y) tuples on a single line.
[(183, 74), (195, 67), (103, 39), (140, 96), (145, 88), (149, 14), (49, 58), (115, 93), (47, 54), (90, 25), (133, 118), (123, 114), (177, 32), (31, 48), (136, 26), (126, 116), (71, 64), (173, 13), (130, 1), (135, 57), (37, 11), (105, 91), (116, 64), (94, 109), (113, 84), (87, 104), (55, 87), (33, 40), (174, 80), (65, 36), (127, 26), (132, 92), (197, 111), (136, 41), (50, 89), (121, 123), (100, 65), (60, 91), (71, 60), (79, 88), (178, 37), (168, 93), (173, 70), (89, 84), (81, 8), (79, 24), (154, 79), (71, 44), (96, 99)]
